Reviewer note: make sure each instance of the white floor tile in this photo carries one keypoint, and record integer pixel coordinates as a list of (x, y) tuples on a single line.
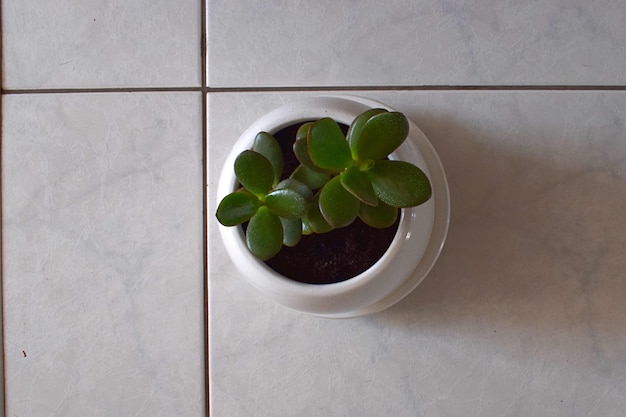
[(523, 313), (90, 44), (432, 42), (103, 262)]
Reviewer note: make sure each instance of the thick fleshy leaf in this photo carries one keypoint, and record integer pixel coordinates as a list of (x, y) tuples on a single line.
[(380, 216), (313, 179), (313, 218), (357, 126), (254, 172), (298, 186), (264, 235), (286, 203), (338, 206), (399, 183), (359, 184), (327, 146), (237, 207), (380, 135), (268, 146), (292, 231), (301, 150), (306, 227)]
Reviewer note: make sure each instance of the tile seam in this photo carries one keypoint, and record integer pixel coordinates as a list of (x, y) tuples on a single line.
[(262, 89)]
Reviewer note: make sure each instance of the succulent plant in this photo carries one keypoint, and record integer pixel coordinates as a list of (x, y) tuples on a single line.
[(339, 179)]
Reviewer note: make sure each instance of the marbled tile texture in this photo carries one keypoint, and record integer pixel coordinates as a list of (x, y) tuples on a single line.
[(95, 43), (102, 233), (406, 42), (523, 315)]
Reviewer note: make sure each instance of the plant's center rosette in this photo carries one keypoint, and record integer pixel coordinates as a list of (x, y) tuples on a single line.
[(334, 256)]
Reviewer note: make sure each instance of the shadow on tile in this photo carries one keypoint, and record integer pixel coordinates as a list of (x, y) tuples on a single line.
[(536, 238)]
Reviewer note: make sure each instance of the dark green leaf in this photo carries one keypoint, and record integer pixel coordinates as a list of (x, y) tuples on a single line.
[(298, 186), (292, 231), (301, 150), (268, 146), (381, 216), (286, 203), (328, 148), (254, 172), (337, 205), (359, 184), (237, 207), (380, 136), (357, 126), (313, 218), (312, 179), (399, 183), (264, 235)]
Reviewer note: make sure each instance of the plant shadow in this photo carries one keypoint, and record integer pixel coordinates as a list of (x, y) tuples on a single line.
[(535, 243)]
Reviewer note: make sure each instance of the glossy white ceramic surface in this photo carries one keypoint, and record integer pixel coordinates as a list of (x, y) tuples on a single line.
[(414, 250), (407, 42), (521, 315)]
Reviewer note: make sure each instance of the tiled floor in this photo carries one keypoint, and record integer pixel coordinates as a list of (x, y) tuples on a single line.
[(111, 129)]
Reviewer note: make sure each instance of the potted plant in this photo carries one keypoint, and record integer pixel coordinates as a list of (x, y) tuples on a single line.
[(330, 173)]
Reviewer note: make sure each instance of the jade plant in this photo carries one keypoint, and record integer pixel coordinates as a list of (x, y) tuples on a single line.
[(340, 178)]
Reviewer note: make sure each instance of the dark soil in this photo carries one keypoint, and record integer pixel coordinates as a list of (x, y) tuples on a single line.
[(329, 257)]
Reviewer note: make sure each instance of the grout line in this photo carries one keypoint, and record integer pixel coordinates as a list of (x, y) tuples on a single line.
[(3, 398), (423, 88), (205, 187), (207, 90), (19, 91)]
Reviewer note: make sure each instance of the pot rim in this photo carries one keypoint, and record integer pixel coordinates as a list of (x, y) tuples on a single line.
[(334, 299)]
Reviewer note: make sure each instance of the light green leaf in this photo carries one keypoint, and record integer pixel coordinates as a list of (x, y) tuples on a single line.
[(298, 186), (254, 172), (292, 231), (264, 235), (380, 135), (286, 203), (300, 147), (357, 127), (313, 179), (359, 184), (237, 207), (328, 148), (338, 206), (268, 146), (399, 183), (380, 216), (313, 219)]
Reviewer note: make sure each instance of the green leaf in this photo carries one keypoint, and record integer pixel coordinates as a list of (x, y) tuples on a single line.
[(237, 207), (380, 216), (306, 227), (264, 235), (300, 147), (292, 231), (357, 127), (254, 172), (380, 135), (337, 205), (328, 148), (286, 203), (359, 184), (268, 146), (313, 219), (399, 183), (314, 180), (298, 186)]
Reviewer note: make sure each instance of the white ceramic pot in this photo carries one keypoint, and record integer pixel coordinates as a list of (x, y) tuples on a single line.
[(411, 255)]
